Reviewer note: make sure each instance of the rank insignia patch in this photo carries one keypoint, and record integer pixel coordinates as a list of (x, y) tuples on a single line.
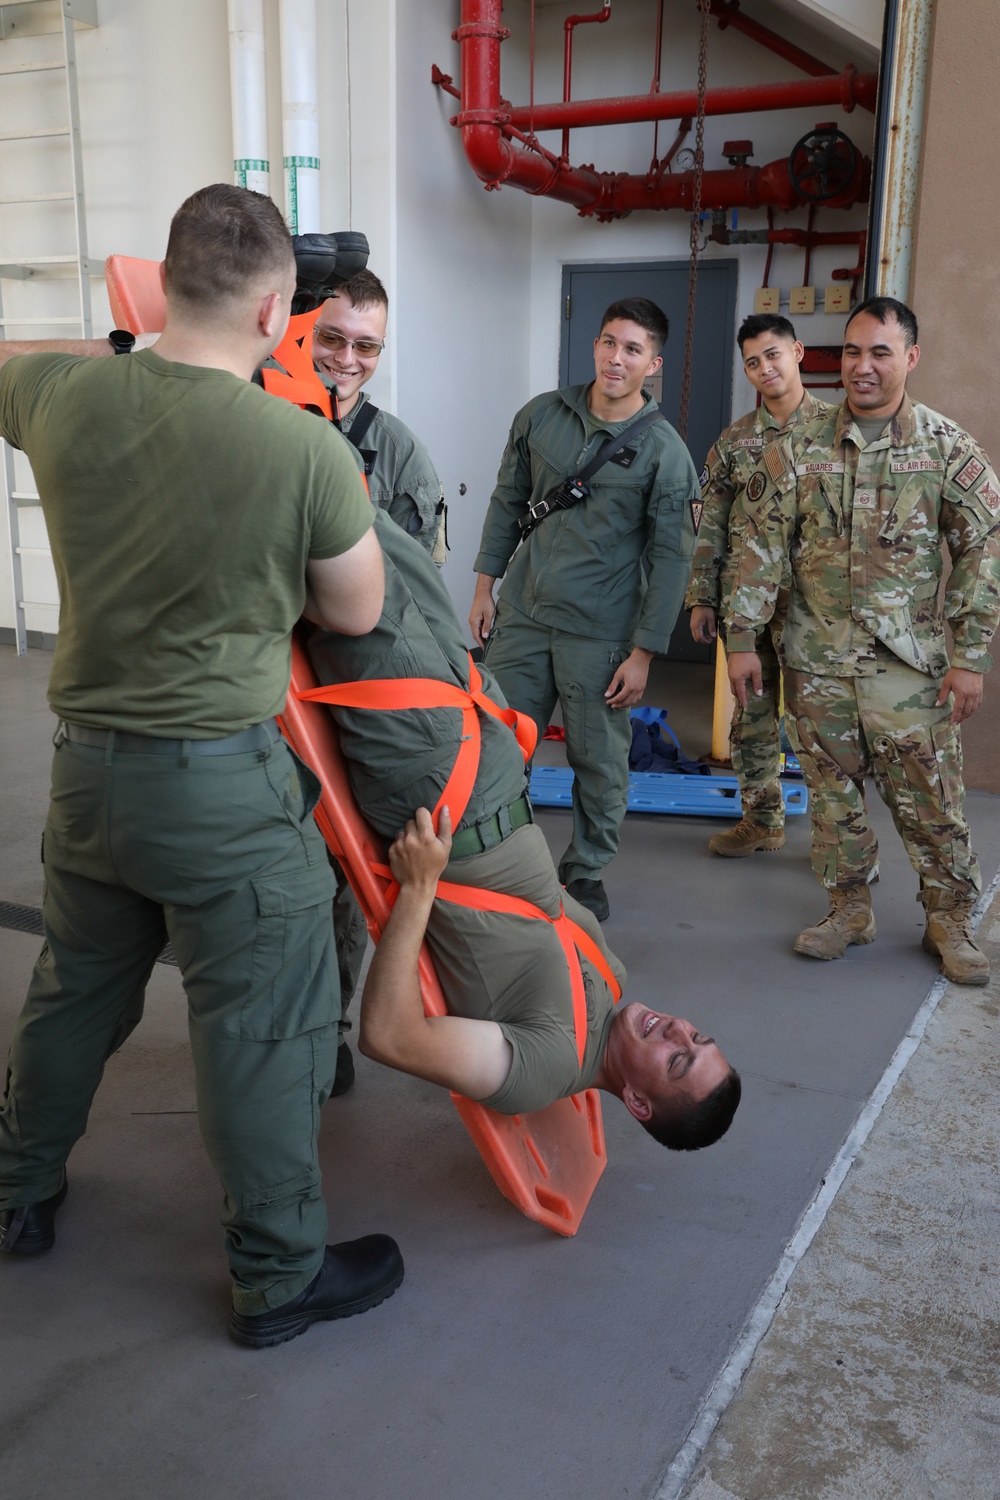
[(969, 473), (756, 486), (697, 506)]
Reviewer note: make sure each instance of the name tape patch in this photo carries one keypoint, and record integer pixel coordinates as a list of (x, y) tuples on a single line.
[(970, 471), (747, 442), (830, 468)]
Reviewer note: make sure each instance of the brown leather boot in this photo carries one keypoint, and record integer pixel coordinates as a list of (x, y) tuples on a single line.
[(746, 837), (848, 921), (948, 934)]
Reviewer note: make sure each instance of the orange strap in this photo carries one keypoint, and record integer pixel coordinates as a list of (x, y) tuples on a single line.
[(297, 380), (429, 692), (571, 936)]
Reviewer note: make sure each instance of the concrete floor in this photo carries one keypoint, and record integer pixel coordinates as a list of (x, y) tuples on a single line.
[(513, 1365)]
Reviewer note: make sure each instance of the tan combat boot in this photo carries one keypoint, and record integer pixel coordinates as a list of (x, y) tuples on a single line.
[(848, 921), (949, 935), (746, 838)]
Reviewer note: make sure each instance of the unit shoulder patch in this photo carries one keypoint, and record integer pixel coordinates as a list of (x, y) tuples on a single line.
[(970, 471), (990, 498), (697, 506), (703, 477), (756, 486)]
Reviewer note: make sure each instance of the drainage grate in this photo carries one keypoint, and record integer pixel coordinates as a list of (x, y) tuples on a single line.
[(29, 919)]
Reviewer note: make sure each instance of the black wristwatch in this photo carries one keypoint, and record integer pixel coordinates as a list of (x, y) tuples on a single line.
[(121, 341)]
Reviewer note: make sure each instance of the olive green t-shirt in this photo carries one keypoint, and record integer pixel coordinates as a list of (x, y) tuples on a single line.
[(512, 970), (182, 506)]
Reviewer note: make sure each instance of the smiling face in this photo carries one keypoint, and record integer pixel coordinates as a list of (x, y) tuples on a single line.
[(665, 1063), (348, 368), (623, 358), (874, 365), (771, 364)]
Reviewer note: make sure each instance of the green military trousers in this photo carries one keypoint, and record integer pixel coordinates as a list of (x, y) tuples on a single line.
[(220, 855), (755, 741), (537, 666), (886, 726)]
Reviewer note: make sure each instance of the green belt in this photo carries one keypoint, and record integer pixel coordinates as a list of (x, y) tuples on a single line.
[(256, 737), (492, 831)]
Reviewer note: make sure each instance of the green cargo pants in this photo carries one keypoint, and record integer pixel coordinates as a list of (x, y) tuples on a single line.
[(537, 666), (221, 855)]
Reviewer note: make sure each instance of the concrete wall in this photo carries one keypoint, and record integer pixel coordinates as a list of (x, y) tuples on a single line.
[(473, 277), (956, 272)]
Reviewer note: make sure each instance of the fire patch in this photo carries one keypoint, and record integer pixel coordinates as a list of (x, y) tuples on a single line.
[(990, 498), (969, 473), (697, 506), (756, 486)]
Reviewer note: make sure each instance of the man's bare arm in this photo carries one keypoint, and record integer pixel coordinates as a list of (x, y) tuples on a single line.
[(93, 348), (346, 593), (471, 1057)]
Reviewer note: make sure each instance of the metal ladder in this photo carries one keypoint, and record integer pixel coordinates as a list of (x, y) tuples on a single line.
[(22, 18)]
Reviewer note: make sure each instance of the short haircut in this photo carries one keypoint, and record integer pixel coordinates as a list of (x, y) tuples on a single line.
[(224, 242), (886, 310), (760, 323), (365, 290), (648, 316), (701, 1124)]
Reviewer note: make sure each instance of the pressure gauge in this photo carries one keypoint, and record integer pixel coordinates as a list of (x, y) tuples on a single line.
[(685, 160)]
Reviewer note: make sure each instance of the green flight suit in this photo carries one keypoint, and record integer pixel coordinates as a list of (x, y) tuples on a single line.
[(585, 587), (755, 742), (402, 479), (863, 643)]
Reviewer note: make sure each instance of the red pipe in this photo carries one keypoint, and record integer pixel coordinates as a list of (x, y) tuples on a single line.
[(729, 14), (600, 17), (846, 89), (486, 123)]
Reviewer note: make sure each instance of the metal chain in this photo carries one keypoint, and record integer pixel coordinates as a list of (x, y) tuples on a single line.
[(699, 165)]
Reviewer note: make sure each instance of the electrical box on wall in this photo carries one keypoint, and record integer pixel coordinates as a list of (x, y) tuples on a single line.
[(802, 299), (837, 299), (766, 299)]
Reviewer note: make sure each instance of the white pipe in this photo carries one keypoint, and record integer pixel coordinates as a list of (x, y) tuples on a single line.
[(300, 114), (248, 86)]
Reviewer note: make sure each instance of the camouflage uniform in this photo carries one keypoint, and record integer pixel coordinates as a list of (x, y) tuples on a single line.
[(863, 644), (754, 738)]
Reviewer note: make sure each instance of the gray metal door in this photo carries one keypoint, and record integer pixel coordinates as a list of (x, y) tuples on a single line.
[(588, 290)]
